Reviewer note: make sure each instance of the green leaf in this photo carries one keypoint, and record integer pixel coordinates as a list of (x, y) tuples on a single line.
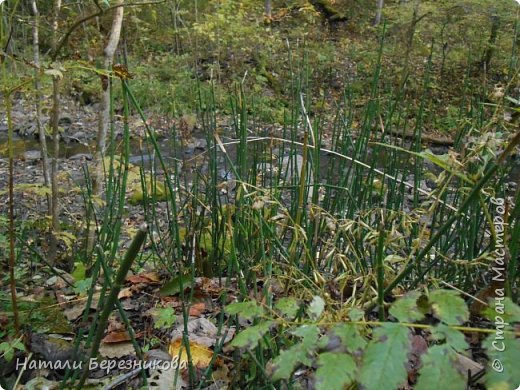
[(509, 311), (441, 161), (309, 334), (82, 286), (385, 358), (288, 306), (449, 307), (165, 318), (316, 307), (452, 337), (356, 314), (335, 371), (444, 163), (17, 344), (405, 309), (79, 271), (284, 364), (250, 337), (6, 351), (439, 370), (247, 310), (504, 355), (348, 335), (173, 287)]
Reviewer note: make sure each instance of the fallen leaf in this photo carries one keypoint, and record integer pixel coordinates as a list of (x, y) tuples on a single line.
[(203, 331), (466, 364), (173, 287), (125, 293), (197, 309), (78, 306), (210, 286), (135, 279), (116, 337), (200, 354), (115, 326), (58, 281), (173, 302), (165, 379), (116, 350), (153, 277)]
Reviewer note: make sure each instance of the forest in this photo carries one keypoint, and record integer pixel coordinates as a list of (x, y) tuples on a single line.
[(277, 194)]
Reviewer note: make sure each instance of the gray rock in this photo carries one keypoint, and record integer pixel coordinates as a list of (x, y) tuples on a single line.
[(27, 130), (32, 155), (65, 121), (189, 149), (78, 136), (139, 159), (201, 144), (439, 149), (81, 156)]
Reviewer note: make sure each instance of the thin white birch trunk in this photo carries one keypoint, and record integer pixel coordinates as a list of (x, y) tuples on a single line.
[(38, 102), (55, 140), (104, 115)]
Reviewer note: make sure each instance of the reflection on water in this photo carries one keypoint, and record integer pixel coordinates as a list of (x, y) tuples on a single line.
[(26, 145), (141, 154)]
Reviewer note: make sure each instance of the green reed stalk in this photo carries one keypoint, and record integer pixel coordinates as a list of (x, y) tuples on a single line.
[(115, 288), (494, 166)]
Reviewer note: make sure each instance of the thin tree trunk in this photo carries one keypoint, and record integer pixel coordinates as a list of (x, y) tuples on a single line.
[(55, 140), (12, 228), (104, 117), (379, 11), (409, 40), (268, 10), (490, 49), (37, 86), (174, 10)]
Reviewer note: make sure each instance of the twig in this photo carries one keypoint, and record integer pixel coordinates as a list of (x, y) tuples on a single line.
[(22, 371), (464, 293), (122, 378)]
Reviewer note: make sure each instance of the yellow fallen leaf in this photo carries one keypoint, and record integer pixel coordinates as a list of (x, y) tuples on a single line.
[(200, 354)]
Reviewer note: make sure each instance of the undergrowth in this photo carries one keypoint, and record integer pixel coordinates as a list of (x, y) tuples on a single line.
[(347, 215)]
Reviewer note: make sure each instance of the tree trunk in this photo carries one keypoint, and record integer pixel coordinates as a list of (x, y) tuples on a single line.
[(174, 11), (55, 141), (104, 115), (379, 11), (490, 49), (268, 10), (12, 228), (409, 40), (37, 87)]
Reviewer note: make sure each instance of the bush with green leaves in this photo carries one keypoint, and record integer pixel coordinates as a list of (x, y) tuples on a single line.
[(378, 355)]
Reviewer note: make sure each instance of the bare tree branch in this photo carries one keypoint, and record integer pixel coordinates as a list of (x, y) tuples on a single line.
[(79, 22)]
